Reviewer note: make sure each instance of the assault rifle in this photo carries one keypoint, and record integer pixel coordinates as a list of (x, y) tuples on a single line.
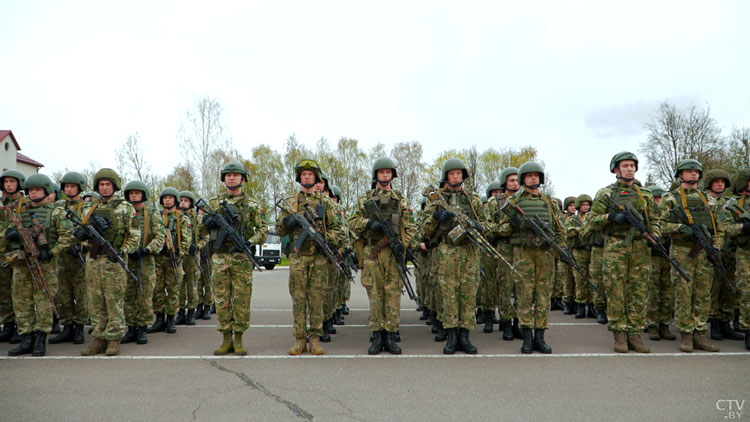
[(76, 251), (306, 221), (400, 252), (169, 244), (100, 242), (226, 229), (30, 254), (634, 222), (542, 231)]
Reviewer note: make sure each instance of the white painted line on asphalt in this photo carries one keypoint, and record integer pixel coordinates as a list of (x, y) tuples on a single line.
[(457, 356), (360, 325)]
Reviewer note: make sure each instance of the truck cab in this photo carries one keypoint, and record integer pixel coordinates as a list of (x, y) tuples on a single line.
[(269, 253)]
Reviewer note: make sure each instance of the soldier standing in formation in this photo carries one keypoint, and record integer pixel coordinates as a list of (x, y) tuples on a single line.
[(490, 280), (581, 248), (11, 183), (188, 295), (661, 299)]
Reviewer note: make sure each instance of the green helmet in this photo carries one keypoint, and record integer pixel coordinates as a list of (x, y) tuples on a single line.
[(740, 180), (169, 191), (483, 198), (568, 201), (326, 179), (620, 156), (306, 164), (454, 164), (657, 191), (189, 195), (75, 178), (58, 193), (383, 163), (531, 167), (336, 191), (494, 185), (14, 174), (89, 194), (136, 185), (688, 164), (107, 174), (39, 180), (234, 167), (715, 174), (508, 171), (580, 199)]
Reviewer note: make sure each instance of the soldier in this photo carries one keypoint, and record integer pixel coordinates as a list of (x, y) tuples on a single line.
[(420, 274), (11, 183), (71, 267), (532, 257), (139, 294), (323, 186), (308, 267), (491, 279), (115, 220), (564, 272), (723, 299), (679, 209), (188, 296), (661, 300), (735, 222), (89, 196), (205, 287), (232, 274), (168, 262), (380, 275), (341, 282), (626, 261), (52, 235), (581, 248), (458, 258)]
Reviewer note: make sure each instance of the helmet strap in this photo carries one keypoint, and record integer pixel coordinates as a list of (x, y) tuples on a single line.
[(384, 183), (38, 199), (626, 179), (534, 186), (455, 185), (308, 185), (234, 187), (688, 182)]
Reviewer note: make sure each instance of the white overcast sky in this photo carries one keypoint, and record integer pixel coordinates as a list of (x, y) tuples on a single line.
[(574, 79)]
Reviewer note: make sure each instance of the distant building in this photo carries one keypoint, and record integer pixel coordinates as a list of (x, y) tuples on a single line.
[(10, 158)]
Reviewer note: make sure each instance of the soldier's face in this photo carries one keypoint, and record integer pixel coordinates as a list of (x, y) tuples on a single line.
[(186, 203), (37, 193), (455, 176), (307, 177), (690, 175), (572, 208), (531, 178), (511, 182), (320, 186), (168, 201), (495, 192), (10, 184), (51, 198), (232, 179), (385, 175), (626, 169), (106, 188), (71, 190), (718, 185), (585, 207), (135, 196), (657, 199)]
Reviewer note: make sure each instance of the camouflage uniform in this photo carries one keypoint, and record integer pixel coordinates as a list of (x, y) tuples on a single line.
[(595, 268), (166, 288), (734, 222), (7, 317), (71, 289), (188, 296), (581, 248), (139, 294), (503, 277)]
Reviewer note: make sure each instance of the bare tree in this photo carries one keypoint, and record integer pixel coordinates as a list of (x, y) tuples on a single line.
[(738, 154), (131, 160), (408, 158), (350, 169)]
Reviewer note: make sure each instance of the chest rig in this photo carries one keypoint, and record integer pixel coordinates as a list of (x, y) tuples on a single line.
[(389, 204), (533, 206)]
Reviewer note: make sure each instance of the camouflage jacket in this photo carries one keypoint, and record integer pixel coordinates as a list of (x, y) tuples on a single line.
[(152, 236), (406, 229), (433, 231), (642, 206), (556, 226), (123, 232), (670, 224), (250, 224), (325, 215), (57, 230)]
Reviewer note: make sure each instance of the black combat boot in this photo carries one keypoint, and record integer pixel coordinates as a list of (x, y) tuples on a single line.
[(528, 339), (77, 334), (377, 342), (190, 318), (389, 343), (397, 336), (199, 310), (206, 312), (555, 304), (736, 324), (331, 327), (16, 338), (430, 318), (326, 337), (728, 333), (129, 336), (140, 335), (452, 343), (442, 333), (715, 330), (425, 314), (158, 324), (569, 308), (7, 332), (338, 317), (539, 344), (464, 343), (581, 311), (747, 339), (480, 314), (180, 320), (40, 344), (591, 311), (436, 326), (55, 325), (601, 317), (27, 344), (213, 308), (488, 321), (170, 326), (517, 330), (65, 335), (507, 330), (344, 309)]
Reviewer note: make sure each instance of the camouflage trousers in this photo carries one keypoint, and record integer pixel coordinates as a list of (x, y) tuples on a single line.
[(71, 291), (328, 285), (139, 305), (556, 280), (596, 274), (166, 288), (532, 287), (433, 285), (347, 290), (743, 285), (567, 281), (584, 292), (233, 290), (692, 299), (458, 278), (188, 296), (419, 279), (105, 290), (488, 291), (31, 305), (505, 283), (626, 270), (205, 287), (381, 280), (6, 298), (306, 277), (723, 299), (661, 295)]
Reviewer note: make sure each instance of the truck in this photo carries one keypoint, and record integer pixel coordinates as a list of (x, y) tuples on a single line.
[(269, 253)]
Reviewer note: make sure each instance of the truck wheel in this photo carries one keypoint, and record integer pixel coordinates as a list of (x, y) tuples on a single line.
[(270, 266)]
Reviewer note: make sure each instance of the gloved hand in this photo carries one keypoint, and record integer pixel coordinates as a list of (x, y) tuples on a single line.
[(12, 234), (290, 222), (143, 252), (211, 221), (81, 235), (442, 215), (375, 226), (515, 221), (113, 259), (101, 224), (477, 225), (45, 255), (617, 218), (193, 249), (686, 232), (746, 228)]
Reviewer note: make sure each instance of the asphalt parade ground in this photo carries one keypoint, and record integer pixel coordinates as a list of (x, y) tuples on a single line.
[(175, 377)]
